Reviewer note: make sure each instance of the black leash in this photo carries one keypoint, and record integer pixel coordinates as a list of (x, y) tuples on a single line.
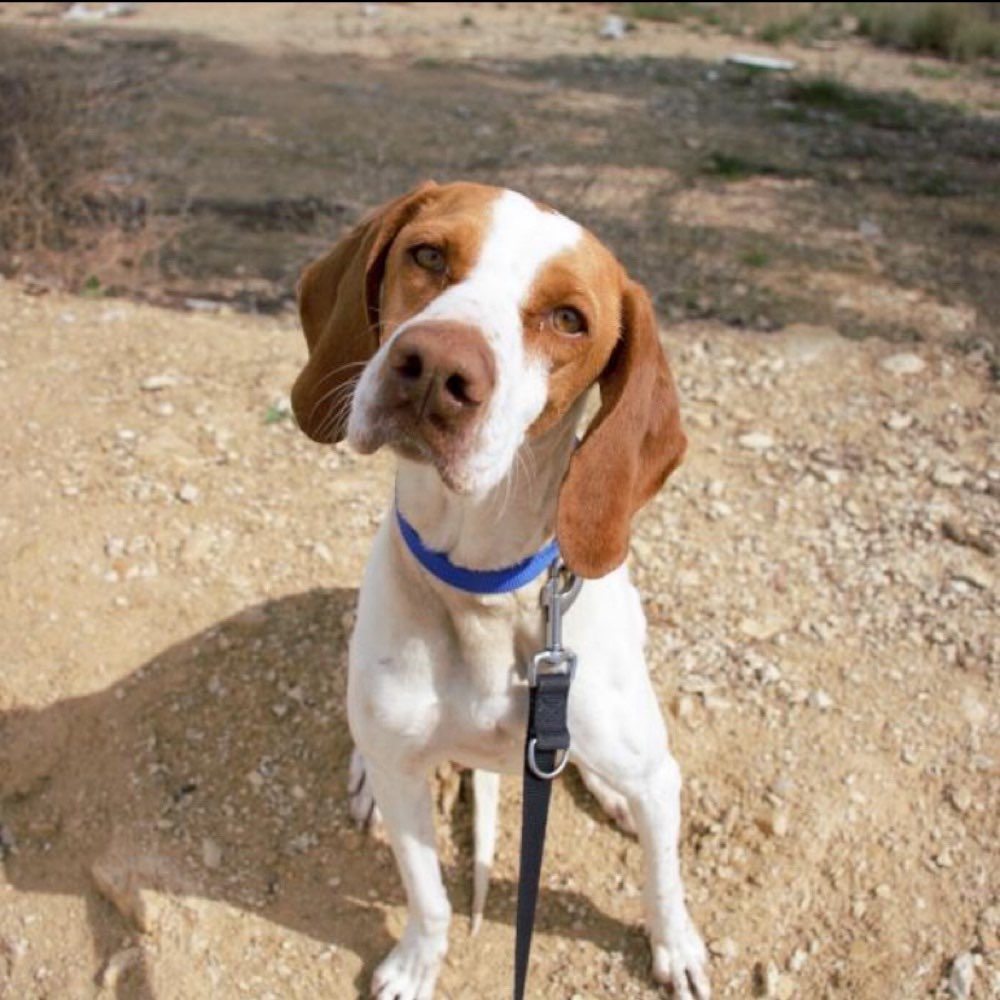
[(546, 752)]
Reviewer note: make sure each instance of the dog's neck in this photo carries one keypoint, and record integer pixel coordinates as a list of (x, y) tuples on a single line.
[(511, 522)]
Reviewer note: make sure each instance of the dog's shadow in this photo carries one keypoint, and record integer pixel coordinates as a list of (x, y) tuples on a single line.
[(216, 771)]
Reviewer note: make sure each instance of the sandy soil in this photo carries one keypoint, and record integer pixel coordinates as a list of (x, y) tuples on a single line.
[(181, 566)]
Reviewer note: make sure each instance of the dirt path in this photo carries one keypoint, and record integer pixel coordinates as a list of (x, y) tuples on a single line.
[(820, 578), (180, 575)]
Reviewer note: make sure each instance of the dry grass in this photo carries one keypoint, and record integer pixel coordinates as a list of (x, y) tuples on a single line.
[(959, 31), (47, 150)]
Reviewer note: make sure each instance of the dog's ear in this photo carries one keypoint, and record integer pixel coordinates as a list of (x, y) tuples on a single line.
[(633, 443), (339, 309)]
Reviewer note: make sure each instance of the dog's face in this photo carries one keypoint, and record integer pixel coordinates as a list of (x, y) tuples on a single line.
[(459, 321)]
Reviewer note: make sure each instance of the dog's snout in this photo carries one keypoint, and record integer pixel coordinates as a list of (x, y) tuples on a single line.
[(442, 372)]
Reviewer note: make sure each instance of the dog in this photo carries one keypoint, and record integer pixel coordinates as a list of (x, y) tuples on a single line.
[(462, 326)]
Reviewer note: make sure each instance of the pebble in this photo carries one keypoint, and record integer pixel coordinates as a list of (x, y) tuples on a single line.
[(211, 853), (961, 976), (613, 27), (988, 928), (724, 948), (114, 548), (773, 823), (761, 629), (154, 383), (903, 364), (899, 421), (117, 965), (947, 475), (122, 878), (960, 797), (188, 493), (821, 700), (756, 441)]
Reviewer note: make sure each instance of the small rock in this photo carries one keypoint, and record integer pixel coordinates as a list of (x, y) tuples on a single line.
[(944, 859), (903, 364), (613, 28), (322, 552), (961, 975), (725, 948), (960, 797), (766, 980), (988, 928), (211, 853), (756, 441), (899, 421), (821, 700), (958, 533), (946, 475), (774, 823), (129, 882), (761, 629), (199, 545), (154, 383), (114, 548), (117, 965), (188, 493)]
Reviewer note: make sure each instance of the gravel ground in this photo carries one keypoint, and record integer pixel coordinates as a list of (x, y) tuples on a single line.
[(181, 567), (181, 564)]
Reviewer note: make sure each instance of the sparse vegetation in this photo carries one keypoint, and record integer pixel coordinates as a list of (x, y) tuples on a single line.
[(46, 148), (735, 167), (756, 258), (658, 11), (959, 31), (827, 93)]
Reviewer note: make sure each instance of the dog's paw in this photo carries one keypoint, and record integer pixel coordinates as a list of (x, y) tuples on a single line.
[(408, 972), (612, 802), (361, 798), (681, 963)]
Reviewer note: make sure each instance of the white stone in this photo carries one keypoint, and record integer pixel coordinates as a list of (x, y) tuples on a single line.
[(961, 976), (946, 475), (903, 364), (188, 493), (613, 27), (154, 383), (756, 441)]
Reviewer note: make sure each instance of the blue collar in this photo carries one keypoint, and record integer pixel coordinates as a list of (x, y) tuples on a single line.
[(476, 581)]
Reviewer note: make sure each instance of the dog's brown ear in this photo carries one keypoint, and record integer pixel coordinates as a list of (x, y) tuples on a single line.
[(339, 309), (634, 442)]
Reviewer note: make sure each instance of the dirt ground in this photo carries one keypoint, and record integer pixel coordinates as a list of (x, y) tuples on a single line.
[(181, 564)]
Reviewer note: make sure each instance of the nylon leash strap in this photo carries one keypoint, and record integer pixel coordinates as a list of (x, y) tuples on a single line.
[(546, 752)]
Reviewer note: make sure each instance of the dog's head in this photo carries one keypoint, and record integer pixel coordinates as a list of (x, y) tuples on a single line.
[(458, 321)]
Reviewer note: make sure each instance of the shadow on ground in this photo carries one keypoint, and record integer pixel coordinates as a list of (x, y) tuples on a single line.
[(215, 771)]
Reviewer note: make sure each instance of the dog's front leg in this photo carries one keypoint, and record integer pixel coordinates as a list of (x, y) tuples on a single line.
[(410, 970), (679, 955)]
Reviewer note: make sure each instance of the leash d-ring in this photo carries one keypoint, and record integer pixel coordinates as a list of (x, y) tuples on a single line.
[(537, 771)]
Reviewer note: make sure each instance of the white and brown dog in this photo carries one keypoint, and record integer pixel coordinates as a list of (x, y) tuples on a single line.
[(462, 326)]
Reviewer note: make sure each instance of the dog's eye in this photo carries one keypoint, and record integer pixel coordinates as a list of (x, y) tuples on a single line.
[(429, 258), (568, 320)]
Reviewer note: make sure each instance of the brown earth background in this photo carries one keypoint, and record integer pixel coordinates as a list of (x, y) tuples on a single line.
[(181, 564)]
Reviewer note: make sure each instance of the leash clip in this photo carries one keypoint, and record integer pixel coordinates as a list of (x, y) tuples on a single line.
[(557, 597)]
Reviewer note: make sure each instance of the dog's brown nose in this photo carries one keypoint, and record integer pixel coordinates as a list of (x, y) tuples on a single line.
[(443, 372)]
